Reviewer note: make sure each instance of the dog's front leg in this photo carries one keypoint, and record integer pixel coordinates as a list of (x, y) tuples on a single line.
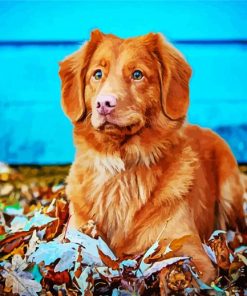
[(169, 225), (77, 218)]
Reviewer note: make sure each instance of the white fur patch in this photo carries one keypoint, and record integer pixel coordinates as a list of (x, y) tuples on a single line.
[(108, 164), (136, 154)]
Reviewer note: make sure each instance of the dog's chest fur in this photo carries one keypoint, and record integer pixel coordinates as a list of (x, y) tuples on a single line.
[(117, 194), (112, 194)]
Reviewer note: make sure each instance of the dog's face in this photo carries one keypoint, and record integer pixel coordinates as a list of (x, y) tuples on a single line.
[(123, 84)]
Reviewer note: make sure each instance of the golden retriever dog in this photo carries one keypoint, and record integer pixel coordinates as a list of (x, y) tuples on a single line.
[(141, 172)]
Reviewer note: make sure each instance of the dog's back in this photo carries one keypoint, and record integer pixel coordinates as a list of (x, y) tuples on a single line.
[(223, 177)]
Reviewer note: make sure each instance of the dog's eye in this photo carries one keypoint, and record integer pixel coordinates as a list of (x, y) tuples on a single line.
[(137, 75), (98, 74)]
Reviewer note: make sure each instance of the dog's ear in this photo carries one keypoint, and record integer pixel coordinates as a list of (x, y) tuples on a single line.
[(174, 74), (72, 73)]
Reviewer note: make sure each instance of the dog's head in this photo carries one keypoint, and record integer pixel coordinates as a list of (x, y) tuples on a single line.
[(122, 85)]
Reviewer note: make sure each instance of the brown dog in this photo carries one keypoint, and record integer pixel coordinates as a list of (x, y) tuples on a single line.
[(140, 172)]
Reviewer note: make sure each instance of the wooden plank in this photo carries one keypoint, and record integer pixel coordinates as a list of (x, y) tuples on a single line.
[(35, 133), (219, 72), (218, 114), (31, 73), (40, 133), (73, 20), (236, 137)]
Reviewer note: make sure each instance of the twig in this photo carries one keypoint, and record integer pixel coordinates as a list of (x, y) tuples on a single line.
[(158, 238)]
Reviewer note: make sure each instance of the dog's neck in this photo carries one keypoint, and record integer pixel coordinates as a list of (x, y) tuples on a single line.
[(144, 148)]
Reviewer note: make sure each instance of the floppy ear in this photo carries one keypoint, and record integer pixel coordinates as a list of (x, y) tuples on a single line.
[(72, 74), (174, 74)]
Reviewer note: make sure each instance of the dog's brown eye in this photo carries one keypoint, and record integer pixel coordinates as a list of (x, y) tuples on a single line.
[(98, 74), (137, 75)]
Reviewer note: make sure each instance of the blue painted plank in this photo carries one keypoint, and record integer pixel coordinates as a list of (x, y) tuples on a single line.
[(35, 134), (219, 72), (236, 137), (40, 133), (218, 114), (73, 20), (31, 73), (34, 130)]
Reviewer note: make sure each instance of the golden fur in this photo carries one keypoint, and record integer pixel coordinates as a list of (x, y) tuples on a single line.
[(143, 173)]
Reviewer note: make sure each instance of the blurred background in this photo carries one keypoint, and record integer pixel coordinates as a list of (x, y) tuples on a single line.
[(36, 35)]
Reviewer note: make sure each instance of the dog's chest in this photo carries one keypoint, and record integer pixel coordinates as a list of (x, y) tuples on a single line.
[(117, 195)]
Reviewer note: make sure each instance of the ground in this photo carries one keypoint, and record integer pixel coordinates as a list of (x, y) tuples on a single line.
[(40, 256)]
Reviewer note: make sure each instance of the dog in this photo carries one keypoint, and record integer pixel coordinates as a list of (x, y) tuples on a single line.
[(141, 172)]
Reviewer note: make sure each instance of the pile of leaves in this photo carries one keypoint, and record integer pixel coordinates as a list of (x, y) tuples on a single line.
[(39, 255)]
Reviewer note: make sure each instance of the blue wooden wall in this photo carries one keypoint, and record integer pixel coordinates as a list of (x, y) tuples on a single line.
[(36, 35)]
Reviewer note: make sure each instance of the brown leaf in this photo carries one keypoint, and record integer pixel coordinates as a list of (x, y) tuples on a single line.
[(108, 261), (14, 241), (79, 259), (2, 230), (160, 254), (221, 250), (57, 278), (61, 212), (51, 230), (19, 250), (178, 279)]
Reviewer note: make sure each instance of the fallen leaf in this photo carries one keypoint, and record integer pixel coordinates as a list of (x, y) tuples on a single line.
[(57, 278), (108, 261), (219, 245), (52, 251), (38, 220), (17, 280), (178, 279), (157, 266), (21, 285)]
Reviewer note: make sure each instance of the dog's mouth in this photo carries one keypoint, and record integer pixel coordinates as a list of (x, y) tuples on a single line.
[(118, 126), (117, 129)]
